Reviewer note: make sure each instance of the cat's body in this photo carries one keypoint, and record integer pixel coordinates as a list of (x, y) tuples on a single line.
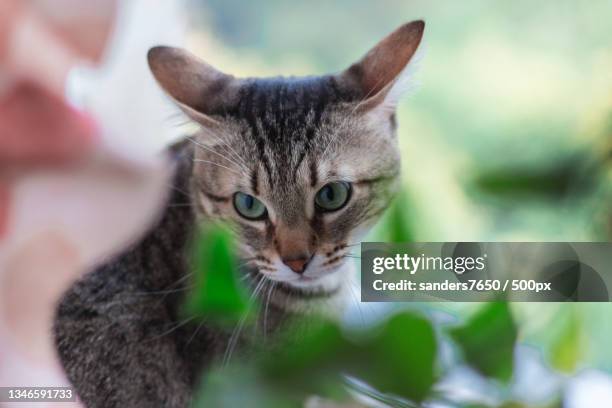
[(300, 166), (110, 326)]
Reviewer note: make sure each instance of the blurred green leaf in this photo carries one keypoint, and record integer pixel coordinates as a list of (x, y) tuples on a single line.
[(402, 357), (218, 294), (242, 386), (318, 343), (487, 341), (397, 225), (398, 357), (552, 180), (566, 351), (309, 358)]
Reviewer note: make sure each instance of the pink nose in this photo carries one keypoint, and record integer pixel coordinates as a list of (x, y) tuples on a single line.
[(297, 265)]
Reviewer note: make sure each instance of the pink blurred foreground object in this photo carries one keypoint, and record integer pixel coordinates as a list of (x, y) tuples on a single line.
[(67, 200), (41, 40), (38, 128)]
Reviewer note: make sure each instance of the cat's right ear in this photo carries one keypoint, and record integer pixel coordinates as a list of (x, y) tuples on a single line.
[(199, 89), (382, 75)]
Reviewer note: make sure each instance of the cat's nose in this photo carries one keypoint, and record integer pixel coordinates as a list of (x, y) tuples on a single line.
[(297, 265)]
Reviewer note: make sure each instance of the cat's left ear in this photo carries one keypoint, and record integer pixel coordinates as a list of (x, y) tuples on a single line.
[(382, 75), (199, 89)]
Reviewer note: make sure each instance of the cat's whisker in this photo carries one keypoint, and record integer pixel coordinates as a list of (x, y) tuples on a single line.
[(172, 329), (122, 302), (177, 282), (253, 272), (246, 261), (167, 290), (267, 306), (223, 142), (175, 188), (201, 146), (251, 275), (257, 289), (231, 344), (349, 118), (177, 122), (234, 154), (219, 165), (163, 292), (368, 306), (195, 332), (244, 264), (333, 137), (182, 123), (261, 264), (180, 280), (236, 333), (357, 303), (176, 114), (245, 277)]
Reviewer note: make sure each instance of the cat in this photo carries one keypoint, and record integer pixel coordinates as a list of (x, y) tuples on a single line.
[(302, 167)]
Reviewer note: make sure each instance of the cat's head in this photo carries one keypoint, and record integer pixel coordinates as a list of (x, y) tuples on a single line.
[(302, 166)]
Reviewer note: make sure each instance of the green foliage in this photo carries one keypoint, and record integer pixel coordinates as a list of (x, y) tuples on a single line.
[(241, 385), (487, 341), (397, 225), (398, 357), (218, 294), (313, 357), (575, 176), (566, 351), (403, 358)]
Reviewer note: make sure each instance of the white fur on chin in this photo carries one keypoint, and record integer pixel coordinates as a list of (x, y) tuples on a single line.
[(339, 282)]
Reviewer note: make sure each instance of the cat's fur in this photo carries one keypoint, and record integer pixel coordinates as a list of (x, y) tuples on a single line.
[(118, 330)]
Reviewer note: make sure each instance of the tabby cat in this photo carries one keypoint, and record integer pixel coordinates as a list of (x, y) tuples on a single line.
[(302, 167)]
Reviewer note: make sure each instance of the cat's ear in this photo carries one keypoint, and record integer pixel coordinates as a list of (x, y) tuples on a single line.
[(198, 88), (382, 75)]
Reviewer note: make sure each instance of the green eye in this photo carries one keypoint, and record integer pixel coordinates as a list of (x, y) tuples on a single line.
[(249, 207), (333, 196)]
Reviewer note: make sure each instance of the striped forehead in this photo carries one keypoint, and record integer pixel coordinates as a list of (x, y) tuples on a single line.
[(281, 118)]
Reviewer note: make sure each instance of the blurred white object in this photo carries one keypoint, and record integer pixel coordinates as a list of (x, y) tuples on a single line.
[(534, 382), (122, 94), (590, 389)]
